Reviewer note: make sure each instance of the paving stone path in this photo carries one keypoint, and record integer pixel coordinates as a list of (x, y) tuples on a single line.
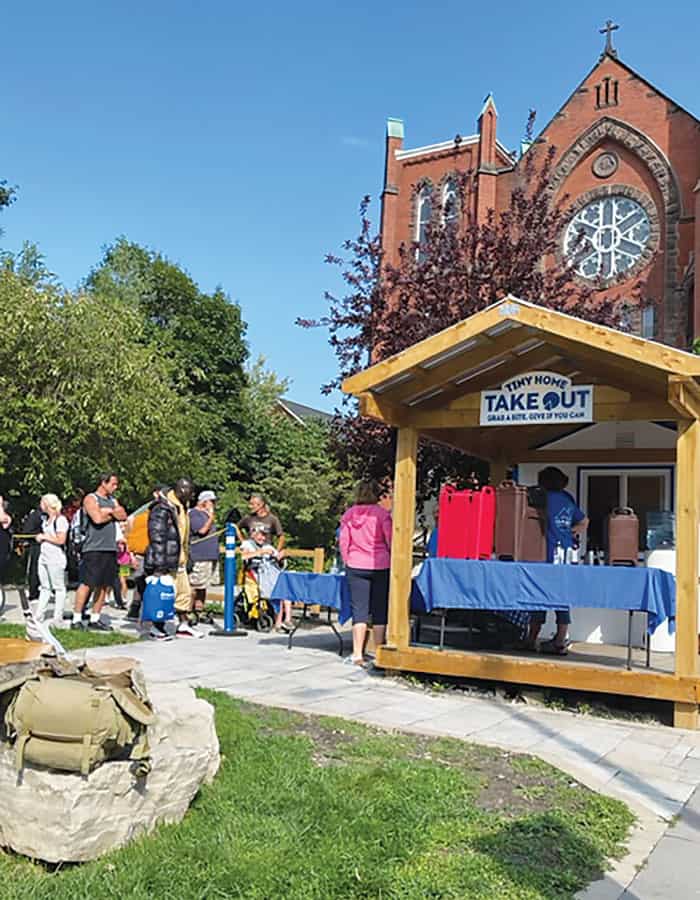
[(656, 770)]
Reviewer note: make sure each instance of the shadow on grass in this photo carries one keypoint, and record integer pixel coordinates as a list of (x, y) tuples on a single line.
[(544, 852)]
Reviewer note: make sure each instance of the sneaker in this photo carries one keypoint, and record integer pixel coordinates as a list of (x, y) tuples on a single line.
[(187, 631), (99, 626), (78, 626), (156, 634)]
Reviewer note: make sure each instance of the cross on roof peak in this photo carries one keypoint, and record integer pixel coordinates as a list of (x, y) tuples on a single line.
[(609, 50)]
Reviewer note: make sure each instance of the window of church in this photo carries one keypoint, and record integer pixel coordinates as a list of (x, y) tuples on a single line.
[(425, 214), (648, 322), (607, 237), (450, 201)]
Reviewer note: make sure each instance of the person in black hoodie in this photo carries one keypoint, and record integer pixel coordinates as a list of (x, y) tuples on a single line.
[(168, 538), (31, 524)]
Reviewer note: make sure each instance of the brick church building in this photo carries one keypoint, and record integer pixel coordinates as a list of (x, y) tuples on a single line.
[(627, 156)]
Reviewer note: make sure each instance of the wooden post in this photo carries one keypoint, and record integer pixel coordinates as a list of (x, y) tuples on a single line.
[(497, 471), (685, 715), (404, 518), (319, 559)]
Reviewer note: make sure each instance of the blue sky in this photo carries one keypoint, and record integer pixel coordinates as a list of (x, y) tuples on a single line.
[(238, 139)]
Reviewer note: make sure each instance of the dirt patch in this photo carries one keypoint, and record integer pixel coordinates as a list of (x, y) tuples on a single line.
[(328, 741), (510, 784)]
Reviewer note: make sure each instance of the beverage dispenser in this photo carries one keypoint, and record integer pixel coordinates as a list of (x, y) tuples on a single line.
[(623, 537)]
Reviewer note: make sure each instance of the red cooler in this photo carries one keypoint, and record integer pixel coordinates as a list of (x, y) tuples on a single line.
[(481, 523), (452, 522), (466, 523)]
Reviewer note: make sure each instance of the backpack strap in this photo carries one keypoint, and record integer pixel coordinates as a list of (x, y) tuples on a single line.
[(20, 744)]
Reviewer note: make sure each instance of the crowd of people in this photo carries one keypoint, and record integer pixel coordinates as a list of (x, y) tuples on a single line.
[(173, 535), (179, 538)]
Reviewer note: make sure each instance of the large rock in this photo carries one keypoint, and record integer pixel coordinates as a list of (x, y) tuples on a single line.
[(60, 816)]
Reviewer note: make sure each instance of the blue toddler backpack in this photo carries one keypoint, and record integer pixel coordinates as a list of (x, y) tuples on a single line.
[(158, 599)]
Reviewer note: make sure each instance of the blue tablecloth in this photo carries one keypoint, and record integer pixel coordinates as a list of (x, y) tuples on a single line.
[(489, 584), (312, 588)]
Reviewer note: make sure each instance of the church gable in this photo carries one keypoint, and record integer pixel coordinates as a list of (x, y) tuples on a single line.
[(627, 158)]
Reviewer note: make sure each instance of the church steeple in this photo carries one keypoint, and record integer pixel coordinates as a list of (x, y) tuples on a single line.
[(609, 49)]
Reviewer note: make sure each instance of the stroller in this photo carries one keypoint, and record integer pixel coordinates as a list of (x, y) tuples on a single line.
[(253, 607)]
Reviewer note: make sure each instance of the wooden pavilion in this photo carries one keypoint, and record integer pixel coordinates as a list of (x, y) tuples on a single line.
[(434, 389)]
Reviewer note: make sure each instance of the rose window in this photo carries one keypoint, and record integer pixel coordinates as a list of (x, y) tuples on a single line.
[(615, 232)]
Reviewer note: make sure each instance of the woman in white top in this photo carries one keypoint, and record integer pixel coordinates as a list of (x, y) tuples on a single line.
[(52, 558)]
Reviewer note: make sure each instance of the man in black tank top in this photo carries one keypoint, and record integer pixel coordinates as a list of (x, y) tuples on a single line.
[(99, 556)]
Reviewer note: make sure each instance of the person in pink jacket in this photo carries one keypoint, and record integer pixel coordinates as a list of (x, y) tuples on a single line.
[(365, 545)]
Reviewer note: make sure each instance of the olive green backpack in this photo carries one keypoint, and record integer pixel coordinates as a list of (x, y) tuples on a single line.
[(76, 721)]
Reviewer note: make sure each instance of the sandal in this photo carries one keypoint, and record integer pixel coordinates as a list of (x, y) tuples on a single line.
[(551, 646), (356, 663)]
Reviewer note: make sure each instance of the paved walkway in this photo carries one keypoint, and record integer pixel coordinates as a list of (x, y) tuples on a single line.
[(656, 770)]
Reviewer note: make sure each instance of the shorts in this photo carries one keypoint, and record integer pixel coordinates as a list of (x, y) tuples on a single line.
[(563, 617), (125, 571), (183, 592), (98, 568), (369, 595), (202, 574)]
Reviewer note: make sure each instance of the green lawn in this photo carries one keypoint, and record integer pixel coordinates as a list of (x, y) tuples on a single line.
[(323, 808), (74, 640)]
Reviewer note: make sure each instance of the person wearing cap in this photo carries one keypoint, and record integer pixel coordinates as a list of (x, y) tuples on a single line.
[(258, 549), (204, 548)]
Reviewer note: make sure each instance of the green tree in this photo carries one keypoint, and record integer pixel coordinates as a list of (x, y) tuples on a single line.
[(82, 389), (29, 263), (290, 463), (204, 336)]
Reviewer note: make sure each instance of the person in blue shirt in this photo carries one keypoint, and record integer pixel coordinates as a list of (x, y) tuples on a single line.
[(564, 520)]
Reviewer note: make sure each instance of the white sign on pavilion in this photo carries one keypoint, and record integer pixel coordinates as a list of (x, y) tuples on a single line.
[(537, 398)]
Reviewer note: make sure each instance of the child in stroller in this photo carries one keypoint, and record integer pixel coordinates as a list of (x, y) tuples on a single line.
[(262, 564)]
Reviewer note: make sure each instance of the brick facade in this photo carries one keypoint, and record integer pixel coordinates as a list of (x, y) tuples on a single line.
[(616, 135)]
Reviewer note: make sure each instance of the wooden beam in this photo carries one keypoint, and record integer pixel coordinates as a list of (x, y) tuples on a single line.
[(644, 411), (560, 674), (404, 521), (604, 394), (428, 379), (624, 350), (544, 357), (684, 396), (497, 471), (593, 362), (424, 350), (687, 509), (635, 411), (458, 439), (619, 454), (610, 341), (375, 407)]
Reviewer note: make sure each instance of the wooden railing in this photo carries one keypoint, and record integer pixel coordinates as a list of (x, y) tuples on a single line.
[(318, 555)]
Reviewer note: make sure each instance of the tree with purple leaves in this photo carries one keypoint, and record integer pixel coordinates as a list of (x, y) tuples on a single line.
[(461, 266)]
